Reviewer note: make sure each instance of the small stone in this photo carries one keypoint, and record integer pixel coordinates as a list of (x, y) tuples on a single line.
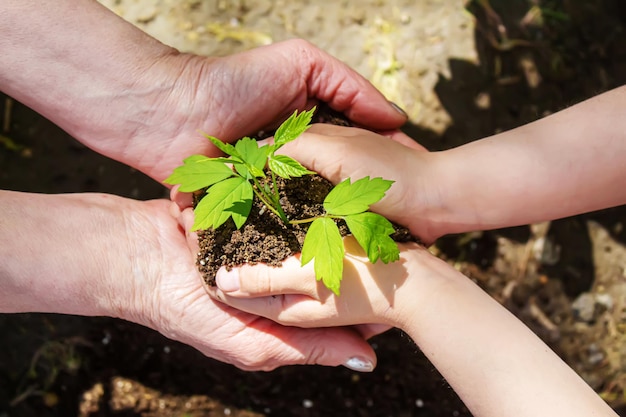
[(584, 307), (596, 356), (546, 251), (605, 301)]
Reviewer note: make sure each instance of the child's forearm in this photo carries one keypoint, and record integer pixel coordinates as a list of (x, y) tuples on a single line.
[(492, 360), (565, 164)]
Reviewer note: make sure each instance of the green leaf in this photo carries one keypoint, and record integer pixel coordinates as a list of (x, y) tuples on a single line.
[(227, 148), (287, 167), (242, 169), (253, 155), (197, 172), (225, 160), (372, 232), (293, 127), (229, 198), (352, 198), (324, 244), (196, 158)]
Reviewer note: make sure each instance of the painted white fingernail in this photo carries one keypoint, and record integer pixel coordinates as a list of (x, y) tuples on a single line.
[(227, 281), (359, 364)]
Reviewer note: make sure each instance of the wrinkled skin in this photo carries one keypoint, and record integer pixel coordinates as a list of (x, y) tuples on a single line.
[(182, 310), (228, 98), (129, 97), (134, 263)]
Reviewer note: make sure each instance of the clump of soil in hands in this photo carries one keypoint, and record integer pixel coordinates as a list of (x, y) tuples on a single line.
[(265, 238)]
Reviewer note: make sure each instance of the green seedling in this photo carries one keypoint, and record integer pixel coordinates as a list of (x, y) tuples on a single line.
[(231, 182)]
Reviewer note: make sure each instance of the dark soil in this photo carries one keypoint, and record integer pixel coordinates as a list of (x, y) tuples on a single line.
[(265, 237), (55, 365)]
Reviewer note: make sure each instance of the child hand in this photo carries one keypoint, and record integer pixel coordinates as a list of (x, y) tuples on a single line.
[(337, 153), (370, 293)]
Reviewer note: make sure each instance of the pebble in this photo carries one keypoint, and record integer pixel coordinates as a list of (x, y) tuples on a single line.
[(584, 307), (605, 300), (596, 356)]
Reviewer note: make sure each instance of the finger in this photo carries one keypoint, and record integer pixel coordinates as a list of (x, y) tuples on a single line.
[(346, 91), (328, 129), (404, 139), (295, 310), (267, 141), (323, 149), (183, 200), (332, 346), (261, 344), (187, 218), (262, 280)]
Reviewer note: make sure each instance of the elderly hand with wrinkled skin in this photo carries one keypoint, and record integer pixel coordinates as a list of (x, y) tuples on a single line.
[(131, 98), (140, 102), (132, 261)]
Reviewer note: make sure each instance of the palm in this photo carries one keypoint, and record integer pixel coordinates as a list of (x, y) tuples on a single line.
[(181, 309)]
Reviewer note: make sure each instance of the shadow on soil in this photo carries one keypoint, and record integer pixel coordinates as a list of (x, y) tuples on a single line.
[(526, 74), (49, 361)]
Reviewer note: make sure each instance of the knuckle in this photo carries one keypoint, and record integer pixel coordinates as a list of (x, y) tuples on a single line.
[(254, 279), (258, 363), (268, 359), (264, 281), (301, 44), (317, 355)]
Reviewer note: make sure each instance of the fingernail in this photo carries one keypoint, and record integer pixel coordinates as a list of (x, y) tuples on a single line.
[(227, 281), (399, 109), (359, 364)]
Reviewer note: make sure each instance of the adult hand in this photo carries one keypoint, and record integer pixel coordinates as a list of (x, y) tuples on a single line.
[(128, 96), (186, 313), (241, 94), (132, 261)]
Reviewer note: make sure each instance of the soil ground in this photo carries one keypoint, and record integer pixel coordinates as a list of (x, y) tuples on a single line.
[(462, 71)]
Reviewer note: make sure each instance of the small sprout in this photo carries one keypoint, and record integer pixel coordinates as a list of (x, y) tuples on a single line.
[(232, 181)]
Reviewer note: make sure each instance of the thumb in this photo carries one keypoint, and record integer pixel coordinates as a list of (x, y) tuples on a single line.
[(332, 81), (333, 346)]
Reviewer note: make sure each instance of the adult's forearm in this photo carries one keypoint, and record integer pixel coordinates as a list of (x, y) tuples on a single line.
[(56, 252), (565, 164), (77, 63)]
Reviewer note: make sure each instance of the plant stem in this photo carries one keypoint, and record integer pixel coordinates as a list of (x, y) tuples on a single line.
[(312, 219), (273, 206), (263, 199), (276, 196)]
